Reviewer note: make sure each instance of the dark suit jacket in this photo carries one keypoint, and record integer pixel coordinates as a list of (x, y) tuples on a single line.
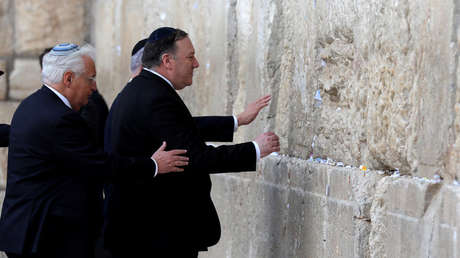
[(95, 114), (176, 210), (4, 135), (54, 178)]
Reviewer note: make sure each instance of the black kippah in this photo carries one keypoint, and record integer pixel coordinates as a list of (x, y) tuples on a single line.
[(138, 46), (161, 33), (1, 73)]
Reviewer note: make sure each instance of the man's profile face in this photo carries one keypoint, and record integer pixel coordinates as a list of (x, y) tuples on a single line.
[(84, 84), (183, 64)]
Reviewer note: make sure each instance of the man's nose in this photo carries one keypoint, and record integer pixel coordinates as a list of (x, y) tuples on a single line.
[(196, 64)]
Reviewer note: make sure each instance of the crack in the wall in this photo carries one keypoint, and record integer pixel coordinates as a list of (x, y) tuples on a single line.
[(273, 58), (232, 58), (431, 192), (455, 44)]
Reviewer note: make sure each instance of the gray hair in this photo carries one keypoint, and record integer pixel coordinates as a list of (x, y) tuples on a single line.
[(136, 60), (55, 66)]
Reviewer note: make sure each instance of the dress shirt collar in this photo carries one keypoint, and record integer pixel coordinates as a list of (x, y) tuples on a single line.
[(159, 75), (64, 99)]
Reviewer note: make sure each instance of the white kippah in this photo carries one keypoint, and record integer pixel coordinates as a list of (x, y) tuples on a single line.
[(64, 49)]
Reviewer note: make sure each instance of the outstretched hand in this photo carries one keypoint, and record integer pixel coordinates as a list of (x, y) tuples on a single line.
[(170, 161), (268, 142), (252, 110)]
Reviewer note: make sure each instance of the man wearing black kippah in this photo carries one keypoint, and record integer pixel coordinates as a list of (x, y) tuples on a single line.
[(4, 131), (173, 216)]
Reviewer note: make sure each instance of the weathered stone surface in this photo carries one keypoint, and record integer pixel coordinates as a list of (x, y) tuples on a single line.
[(369, 80), (453, 156), (7, 109), (25, 78), (43, 23), (363, 57), (107, 40), (6, 28), (430, 213), (3, 84), (289, 209)]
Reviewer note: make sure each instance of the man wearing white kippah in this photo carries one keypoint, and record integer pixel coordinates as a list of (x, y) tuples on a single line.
[(52, 206)]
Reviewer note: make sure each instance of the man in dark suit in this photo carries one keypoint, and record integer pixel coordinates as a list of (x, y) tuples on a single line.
[(4, 131), (182, 219), (55, 172)]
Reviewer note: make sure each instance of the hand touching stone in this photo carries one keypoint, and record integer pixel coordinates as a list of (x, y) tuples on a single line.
[(268, 142), (252, 110)]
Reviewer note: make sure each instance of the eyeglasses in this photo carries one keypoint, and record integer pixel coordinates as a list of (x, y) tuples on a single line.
[(91, 79)]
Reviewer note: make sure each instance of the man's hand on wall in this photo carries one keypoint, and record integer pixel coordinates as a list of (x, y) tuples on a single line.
[(252, 110), (268, 142)]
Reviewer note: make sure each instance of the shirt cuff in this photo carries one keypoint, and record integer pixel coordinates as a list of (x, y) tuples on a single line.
[(156, 167), (235, 127), (257, 150)]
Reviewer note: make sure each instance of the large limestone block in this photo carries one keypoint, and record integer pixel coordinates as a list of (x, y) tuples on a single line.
[(407, 207), (340, 230), (3, 80), (6, 28), (25, 78), (43, 23), (375, 88)]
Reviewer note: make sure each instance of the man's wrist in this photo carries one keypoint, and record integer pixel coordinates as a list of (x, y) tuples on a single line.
[(235, 124)]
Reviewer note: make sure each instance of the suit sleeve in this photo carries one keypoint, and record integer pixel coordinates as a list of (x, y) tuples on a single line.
[(215, 128), (74, 150), (4, 135), (169, 124)]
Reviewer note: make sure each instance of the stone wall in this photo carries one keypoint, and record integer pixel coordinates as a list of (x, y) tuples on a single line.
[(384, 74), (354, 82)]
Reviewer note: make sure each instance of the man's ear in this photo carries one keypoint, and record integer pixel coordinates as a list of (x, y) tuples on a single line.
[(67, 78), (166, 60)]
